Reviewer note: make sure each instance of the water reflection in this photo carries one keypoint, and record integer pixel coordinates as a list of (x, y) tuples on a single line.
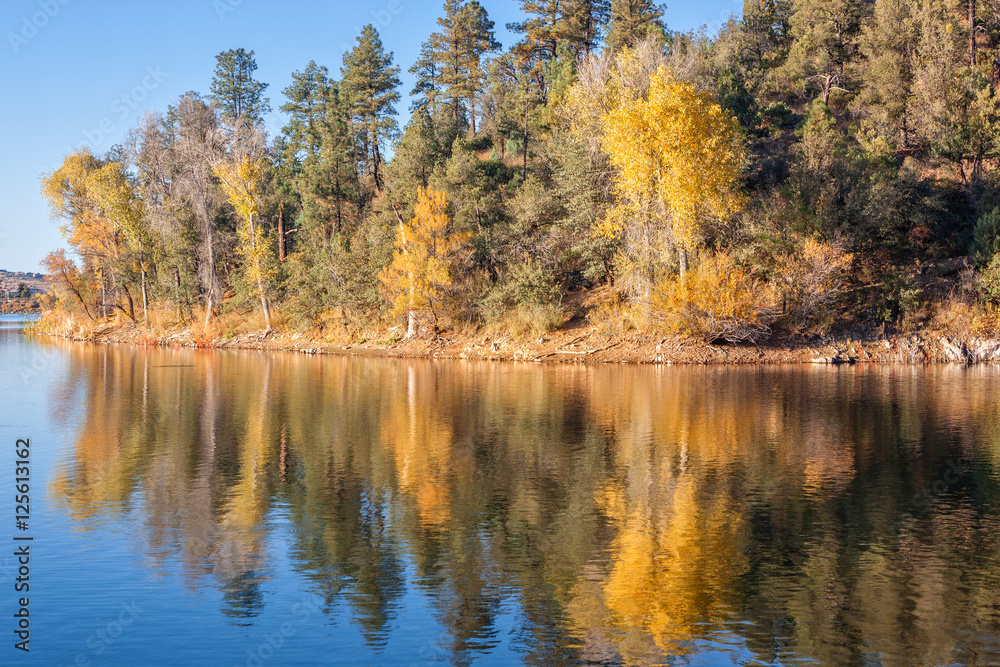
[(621, 515)]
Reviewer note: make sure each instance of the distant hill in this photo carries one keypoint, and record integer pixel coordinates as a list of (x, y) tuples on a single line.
[(9, 281)]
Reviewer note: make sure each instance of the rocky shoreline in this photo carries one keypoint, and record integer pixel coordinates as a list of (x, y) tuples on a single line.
[(581, 345)]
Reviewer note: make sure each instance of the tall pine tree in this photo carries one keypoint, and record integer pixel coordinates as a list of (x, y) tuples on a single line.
[(632, 21), (234, 90), (370, 83)]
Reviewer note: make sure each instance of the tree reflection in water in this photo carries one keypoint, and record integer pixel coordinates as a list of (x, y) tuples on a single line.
[(621, 514)]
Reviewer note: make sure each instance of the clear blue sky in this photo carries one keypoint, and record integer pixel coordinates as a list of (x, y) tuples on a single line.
[(82, 72)]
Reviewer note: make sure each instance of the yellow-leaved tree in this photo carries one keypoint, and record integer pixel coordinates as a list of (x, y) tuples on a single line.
[(243, 182), (115, 195), (103, 210), (427, 254), (678, 156)]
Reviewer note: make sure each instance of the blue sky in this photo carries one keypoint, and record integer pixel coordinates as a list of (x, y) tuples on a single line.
[(79, 72)]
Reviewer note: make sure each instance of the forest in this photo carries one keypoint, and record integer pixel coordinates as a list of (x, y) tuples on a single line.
[(816, 165)]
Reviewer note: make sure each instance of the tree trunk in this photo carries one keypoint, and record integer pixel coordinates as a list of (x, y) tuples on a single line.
[(281, 235), (210, 292), (263, 303), (208, 310), (472, 116), (682, 258), (259, 270), (177, 293), (145, 299), (411, 322), (524, 169), (145, 296), (131, 303), (972, 33), (75, 291), (377, 160)]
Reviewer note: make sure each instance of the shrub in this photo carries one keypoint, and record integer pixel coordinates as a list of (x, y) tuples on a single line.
[(989, 281), (613, 314), (718, 300), (778, 116), (811, 277), (530, 293), (986, 238)]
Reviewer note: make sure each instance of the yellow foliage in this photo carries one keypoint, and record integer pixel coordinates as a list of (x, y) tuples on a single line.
[(427, 249), (243, 183), (679, 148), (719, 299), (116, 197)]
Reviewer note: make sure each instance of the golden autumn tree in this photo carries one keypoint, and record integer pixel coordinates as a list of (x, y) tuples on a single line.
[(427, 254), (117, 198), (678, 154), (103, 213), (243, 182)]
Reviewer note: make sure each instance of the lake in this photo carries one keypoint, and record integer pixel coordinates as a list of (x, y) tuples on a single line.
[(250, 508)]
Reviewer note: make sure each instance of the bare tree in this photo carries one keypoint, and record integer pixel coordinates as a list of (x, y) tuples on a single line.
[(196, 143)]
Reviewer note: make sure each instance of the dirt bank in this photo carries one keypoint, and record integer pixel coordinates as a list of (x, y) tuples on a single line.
[(582, 344)]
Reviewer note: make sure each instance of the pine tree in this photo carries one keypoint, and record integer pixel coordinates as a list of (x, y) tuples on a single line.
[(762, 39), (632, 21), (306, 108), (454, 56), (322, 148), (427, 88), (370, 83), (477, 39), (541, 31), (826, 43), (582, 24), (888, 44), (234, 90)]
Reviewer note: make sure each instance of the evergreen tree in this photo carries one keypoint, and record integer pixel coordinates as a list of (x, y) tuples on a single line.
[(540, 30), (370, 83), (322, 149), (888, 44), (477, 39), (454, 56), (427, 88), (762, 39), (632, 21), (234, 90), (582, 24), (306, 108), (826, 43)]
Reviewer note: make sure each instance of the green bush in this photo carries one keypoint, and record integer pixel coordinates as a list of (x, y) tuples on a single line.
[(778, 116), (986, 238), (989, 281), (532, 290)]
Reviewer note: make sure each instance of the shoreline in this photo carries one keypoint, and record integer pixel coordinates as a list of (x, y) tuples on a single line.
[(581, 345)]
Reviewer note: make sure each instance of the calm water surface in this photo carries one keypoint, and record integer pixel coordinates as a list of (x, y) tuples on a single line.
[(240, 508)]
